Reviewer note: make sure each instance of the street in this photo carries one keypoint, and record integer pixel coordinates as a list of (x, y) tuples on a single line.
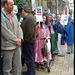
[(60, 66)]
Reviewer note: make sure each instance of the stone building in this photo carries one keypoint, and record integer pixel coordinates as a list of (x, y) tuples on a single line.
[(61, 6), (71, 6), (52, 5)]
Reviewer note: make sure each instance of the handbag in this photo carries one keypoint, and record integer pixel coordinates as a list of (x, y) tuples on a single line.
[(47, 47)]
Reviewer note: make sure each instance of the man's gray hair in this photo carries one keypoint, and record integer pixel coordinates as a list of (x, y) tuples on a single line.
[(58, 15)]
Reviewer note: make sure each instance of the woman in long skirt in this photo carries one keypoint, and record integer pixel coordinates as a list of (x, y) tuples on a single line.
[(41, 31)]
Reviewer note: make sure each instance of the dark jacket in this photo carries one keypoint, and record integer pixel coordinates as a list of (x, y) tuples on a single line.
[(29, 29), (58, 28)]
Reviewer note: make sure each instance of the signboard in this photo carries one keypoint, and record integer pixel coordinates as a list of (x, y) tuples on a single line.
[(64, 19), (39, 14), (15, 9)]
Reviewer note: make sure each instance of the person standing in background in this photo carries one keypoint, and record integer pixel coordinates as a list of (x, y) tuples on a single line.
[(34, 13), (59, 31), (69, 31), (53, 39)]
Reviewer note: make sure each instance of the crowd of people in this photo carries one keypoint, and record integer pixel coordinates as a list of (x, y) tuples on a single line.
[(22, 44)]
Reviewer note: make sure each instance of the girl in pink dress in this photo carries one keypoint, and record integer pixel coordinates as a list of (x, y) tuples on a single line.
[(41, 32)]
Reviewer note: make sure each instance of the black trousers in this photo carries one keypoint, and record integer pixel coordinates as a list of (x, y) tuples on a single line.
[(28, 54), (1, 66)]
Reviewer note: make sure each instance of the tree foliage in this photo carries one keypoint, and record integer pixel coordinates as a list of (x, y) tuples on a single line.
[(20, 3)]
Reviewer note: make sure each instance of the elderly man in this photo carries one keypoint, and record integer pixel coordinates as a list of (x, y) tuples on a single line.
[(29, 30), (11, 37), (59, 31)]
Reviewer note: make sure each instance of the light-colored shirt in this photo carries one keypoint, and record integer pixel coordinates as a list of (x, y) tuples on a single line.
[(52, 30), (43, 26), (10, 19)]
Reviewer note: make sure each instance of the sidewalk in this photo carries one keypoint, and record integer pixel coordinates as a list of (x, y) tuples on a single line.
[(60, 66)]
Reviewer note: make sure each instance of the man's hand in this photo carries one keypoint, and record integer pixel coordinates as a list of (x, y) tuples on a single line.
[(48, 36), (49, 25), (53, 23), (18, 42), (63, 26)]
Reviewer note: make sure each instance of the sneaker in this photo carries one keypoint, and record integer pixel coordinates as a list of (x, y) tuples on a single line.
[(68, 52), (72, 52)]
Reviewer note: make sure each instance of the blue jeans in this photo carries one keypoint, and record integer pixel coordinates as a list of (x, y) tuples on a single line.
[(28, 54)]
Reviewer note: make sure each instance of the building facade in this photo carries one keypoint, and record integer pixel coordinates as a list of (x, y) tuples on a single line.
[(61, 6), (52, 5), (71, 7)]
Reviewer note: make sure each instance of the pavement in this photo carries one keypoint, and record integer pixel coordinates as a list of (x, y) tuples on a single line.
[(60, 66)]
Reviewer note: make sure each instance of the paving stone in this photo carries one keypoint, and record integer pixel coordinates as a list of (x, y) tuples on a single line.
[(71, 69), (67, 73), (53, 72), (60, 66)]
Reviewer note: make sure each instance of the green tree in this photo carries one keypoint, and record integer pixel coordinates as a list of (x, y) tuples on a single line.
[(22, 2)]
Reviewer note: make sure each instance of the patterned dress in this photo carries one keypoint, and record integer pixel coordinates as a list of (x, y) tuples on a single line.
[(38, 56)]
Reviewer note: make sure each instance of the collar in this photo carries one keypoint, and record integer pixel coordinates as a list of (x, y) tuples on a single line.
[(12, 14), (27, 15)]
